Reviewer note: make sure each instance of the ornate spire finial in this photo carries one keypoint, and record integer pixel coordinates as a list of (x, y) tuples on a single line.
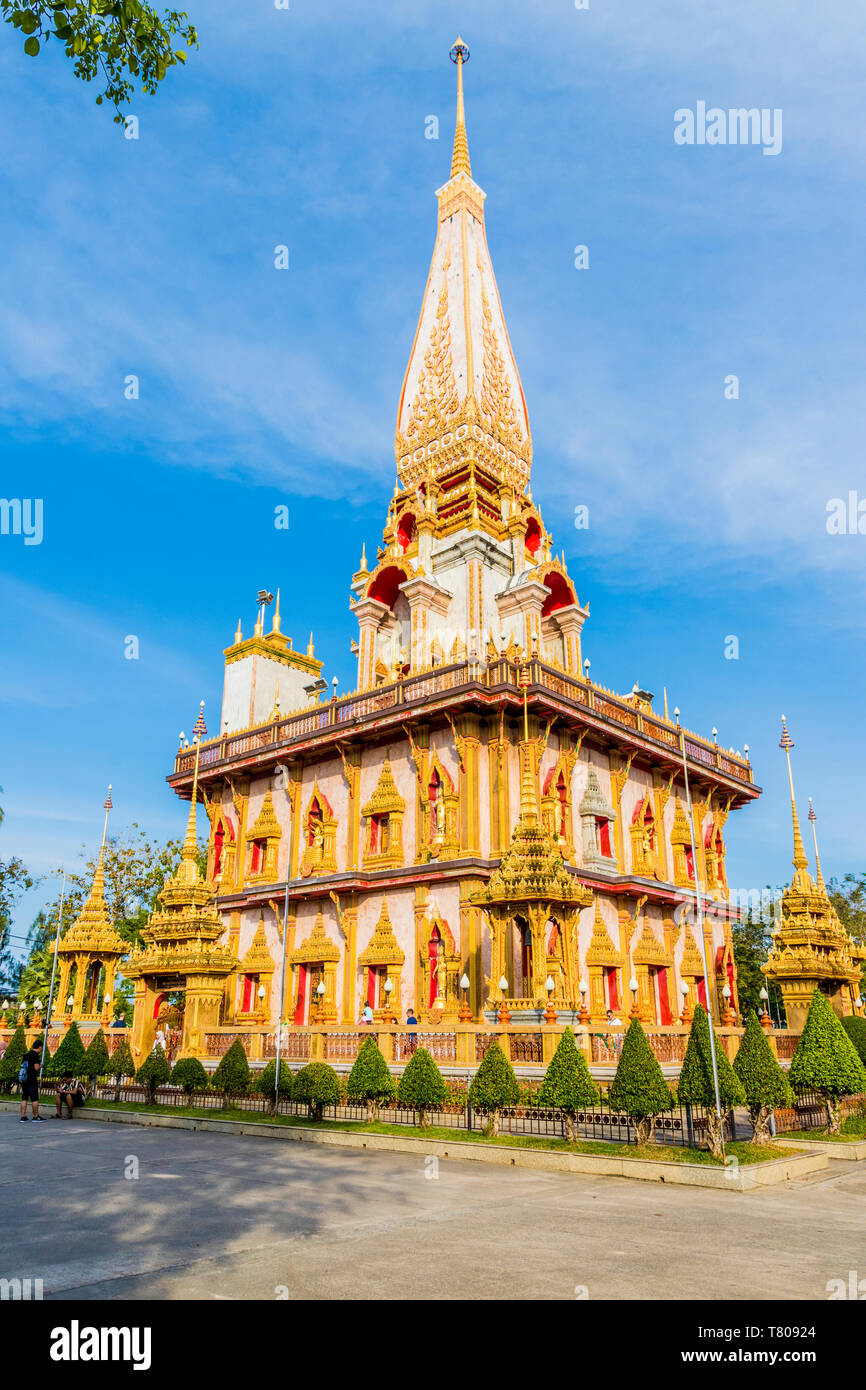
[(239, 636), (276, 622), (97, 888), (190, 844), (813, 818), (460, 158), (801, 863)]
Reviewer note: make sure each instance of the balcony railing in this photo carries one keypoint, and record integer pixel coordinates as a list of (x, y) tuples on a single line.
[(464, 676)]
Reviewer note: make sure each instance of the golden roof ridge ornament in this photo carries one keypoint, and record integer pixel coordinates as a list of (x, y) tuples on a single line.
[(460, 164), (820, 877)]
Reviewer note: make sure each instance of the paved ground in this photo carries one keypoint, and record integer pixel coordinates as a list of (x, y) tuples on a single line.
[(224, 1217)]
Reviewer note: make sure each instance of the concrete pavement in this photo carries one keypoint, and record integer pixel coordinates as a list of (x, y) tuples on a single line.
[(111, 1212)]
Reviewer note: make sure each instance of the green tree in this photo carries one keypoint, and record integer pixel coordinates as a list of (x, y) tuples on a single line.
[(35, 981), (232, 1075), (752, 944), (422, 1085), (11, 1059), (124, 41), (764, 1083), (370, 1079), (855, 1027), (120, 1064), (70, 1059), (96, 1057), (639, 1087), (494, 1085), (189, 1073), (826, 1060), (316, 1085), (567, 1084), (696, 1086), (848, 896), (15, 880), (154, 1071), (266, 1082)]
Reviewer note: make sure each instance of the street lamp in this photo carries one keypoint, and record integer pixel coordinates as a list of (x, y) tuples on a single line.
[(504, 1015), (633, 986), (726, 995), (465, 1012), (684, 991), (583, 989), (766, 1020), (550, 1015)]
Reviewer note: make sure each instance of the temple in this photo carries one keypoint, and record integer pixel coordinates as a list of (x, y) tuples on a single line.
[(479, 831)]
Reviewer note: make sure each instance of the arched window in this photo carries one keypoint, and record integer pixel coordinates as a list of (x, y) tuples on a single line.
[(218, 843), (436, 800), (406, 530), (315, 827), (257, 856), (602, 835), (434, 955)]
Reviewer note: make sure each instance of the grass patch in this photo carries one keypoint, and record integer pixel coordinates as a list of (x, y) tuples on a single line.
[(665, 1153), (853, 1128)]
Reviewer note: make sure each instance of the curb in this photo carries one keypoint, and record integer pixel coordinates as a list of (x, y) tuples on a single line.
[(840, 1149), (743, 1178)]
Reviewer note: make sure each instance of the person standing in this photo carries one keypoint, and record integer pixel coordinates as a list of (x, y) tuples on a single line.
[(28, 1075)]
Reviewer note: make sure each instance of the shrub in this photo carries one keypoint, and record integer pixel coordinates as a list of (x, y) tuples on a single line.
[(855, 1027), (96, 1057), (827, 1060), (639, 1087), (695, 1086), (494, 1085), (266, 1079), (189, 1073), (12, 1058), (120, 1064), (422, 1085), (370, 1079), (316, 1085), (567, 1083), (762, 1079), (232, 1075), (154, 1071), (70, 1059)]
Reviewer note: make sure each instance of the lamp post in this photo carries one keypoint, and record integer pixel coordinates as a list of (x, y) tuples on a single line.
[(465, 1013), (583, 989), (53, 968), (550, 1014), (388, 987), (283, 772), (727, 1016), (686, 1015), (320, 995), (633, 986), (504, 1016), (765, 1019)]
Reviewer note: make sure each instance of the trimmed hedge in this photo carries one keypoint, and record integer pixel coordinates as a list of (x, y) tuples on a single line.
[(639, 1087), (764, 1083), (265, 1081), (567, 1084), (12, 1058), (96, 1057), (696, 1087), (120, 1062), (827, 1060), (494, 1085), (70, 1059), (370, 1079), (422, 1085), (316, 1085), (189, 1073), (855, 1027), (233, 1071), (154, 1071)]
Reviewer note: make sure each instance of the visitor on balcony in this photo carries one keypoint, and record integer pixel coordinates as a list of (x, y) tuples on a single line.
[(367, 1013)]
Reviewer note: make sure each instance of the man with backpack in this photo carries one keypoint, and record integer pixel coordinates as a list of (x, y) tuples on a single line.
[(28, 1076)]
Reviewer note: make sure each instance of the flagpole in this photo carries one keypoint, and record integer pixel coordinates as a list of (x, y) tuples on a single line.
[(699, 907), (53, 970), (281, 999)]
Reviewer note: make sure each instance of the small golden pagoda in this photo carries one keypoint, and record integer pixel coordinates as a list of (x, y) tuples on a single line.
[(532, 903), (181, 953), (90, 947), (811, 948)]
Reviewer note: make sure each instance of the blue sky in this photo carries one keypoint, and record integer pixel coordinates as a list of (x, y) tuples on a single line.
[(306, 127)]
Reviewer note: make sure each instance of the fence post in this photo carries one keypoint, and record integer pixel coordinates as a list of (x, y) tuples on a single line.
[(689, 1126)]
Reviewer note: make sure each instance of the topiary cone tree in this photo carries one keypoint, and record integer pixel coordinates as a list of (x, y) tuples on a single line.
[(96, 1058), (494, 1085), (12, 1059), (154, 1071), (855, 1027), (422, 1085), (370, 1079), (316, 1085), (639, 1087), (232, 1075), (827, 1060), (120, 1064), (70, 1059), (567, 1084), (189, 1073), (764, 1083), (266, 1082), (695, 1086)]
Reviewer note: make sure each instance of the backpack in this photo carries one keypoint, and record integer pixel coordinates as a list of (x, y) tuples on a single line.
[(23, 1071)]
